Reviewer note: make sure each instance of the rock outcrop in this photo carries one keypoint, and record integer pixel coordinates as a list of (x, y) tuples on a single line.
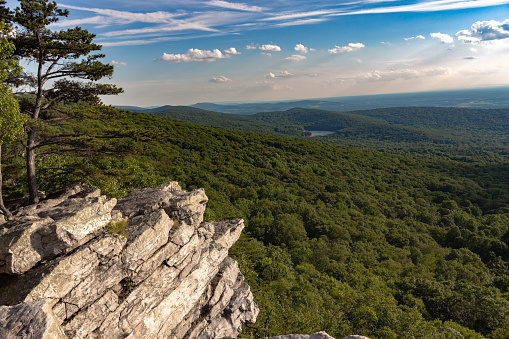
[(79, 265)]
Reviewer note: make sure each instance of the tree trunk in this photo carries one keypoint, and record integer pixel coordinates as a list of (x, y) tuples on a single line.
[(4, 210), (31, 179)]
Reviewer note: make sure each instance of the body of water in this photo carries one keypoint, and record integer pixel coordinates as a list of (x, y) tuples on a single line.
[(320, 133)]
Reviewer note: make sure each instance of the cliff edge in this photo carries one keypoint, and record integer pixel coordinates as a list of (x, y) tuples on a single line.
[(79, 265)]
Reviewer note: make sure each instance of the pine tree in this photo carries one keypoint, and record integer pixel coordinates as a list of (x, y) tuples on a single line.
[(67, 70)]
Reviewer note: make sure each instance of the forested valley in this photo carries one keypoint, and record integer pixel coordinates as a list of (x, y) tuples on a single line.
[(379, 242), (446, 132)]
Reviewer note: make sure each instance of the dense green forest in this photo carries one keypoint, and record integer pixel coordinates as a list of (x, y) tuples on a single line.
[(456, 133), (342, 239)]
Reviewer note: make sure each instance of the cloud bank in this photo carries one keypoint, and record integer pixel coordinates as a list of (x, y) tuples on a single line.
[(485, 31)]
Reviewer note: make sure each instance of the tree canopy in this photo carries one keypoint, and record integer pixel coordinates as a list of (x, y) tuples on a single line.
[(11, 119)]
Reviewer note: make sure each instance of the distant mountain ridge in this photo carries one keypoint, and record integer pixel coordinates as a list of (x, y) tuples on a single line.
[(495, 97)]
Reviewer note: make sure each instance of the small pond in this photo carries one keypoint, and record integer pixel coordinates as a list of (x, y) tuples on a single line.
[(320, 133)]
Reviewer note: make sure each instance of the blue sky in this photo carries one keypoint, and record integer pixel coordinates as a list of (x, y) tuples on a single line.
[(180, 52)]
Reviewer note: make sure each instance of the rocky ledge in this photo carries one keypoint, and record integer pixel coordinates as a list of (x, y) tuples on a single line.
[(79, 265)]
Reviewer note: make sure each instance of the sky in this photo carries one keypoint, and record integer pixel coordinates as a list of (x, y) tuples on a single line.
[(181, 52)]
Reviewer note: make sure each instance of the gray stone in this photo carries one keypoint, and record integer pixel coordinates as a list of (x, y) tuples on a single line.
[(90, 318), (181, 233), (33, 319), (147, 200), (146, 234), (51, 229)]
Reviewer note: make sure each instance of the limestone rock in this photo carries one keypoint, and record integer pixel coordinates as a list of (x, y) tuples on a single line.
[(45, 230), (355, 337), (29, 320), (167, 275)]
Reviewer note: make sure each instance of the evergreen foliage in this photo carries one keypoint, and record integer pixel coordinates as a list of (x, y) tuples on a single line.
[(66, 72)]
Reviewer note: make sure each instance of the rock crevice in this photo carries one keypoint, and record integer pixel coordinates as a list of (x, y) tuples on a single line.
[(67, 272)]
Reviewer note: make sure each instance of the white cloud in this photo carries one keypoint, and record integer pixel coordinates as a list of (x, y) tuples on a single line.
[(484, 31), (220, 79), (404, 74), (252, 46), (416, 37), (351, 47), (270, 48), (236, 6), (282, 74), (267, 54), (194, 54), (301, 48), (231, 50), (296, 57), (118, 63), (445, 38)]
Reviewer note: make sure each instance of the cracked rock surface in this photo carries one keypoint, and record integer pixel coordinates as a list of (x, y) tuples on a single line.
[(163, 273)]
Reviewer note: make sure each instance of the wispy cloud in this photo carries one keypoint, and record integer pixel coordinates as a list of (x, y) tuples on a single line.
[(427, 6), (416, 37), (296, 57), (118, 63), (114, 16), (351, 47), (301, 22), (180, 26), (227, 17), (235, 6), (404, 74), (292, 16)]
